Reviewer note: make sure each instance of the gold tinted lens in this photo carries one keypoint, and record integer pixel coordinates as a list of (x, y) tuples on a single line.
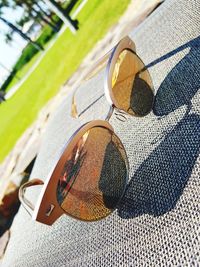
[(131, 85), (94, 176)]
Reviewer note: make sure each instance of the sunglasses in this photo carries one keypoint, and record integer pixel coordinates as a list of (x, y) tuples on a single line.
[(92, 172)]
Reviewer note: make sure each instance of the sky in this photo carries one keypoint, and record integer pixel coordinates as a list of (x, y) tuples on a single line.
[(9, 53)]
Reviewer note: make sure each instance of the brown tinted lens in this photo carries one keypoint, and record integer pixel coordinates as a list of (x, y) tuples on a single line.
[(94, 176), (131, 85)]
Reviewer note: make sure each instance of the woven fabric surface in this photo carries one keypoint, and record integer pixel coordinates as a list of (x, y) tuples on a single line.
[(157, 221)]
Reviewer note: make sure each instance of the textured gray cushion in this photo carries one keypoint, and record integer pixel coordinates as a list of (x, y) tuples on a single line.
[(157, 222)]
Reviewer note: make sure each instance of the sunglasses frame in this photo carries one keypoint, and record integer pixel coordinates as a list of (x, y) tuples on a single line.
[(111, 58), (125, 44), (47, 209)]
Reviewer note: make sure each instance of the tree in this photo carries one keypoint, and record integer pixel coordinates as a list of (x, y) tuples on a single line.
[(44, 18), (5, 68), (9, 71), (37, 17), (42, 10), (46, 12), (23, 35), (6, 3), (33, 13), (8, 37), (60, 12)]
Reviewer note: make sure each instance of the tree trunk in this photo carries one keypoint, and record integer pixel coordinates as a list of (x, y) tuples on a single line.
[(46, 20), (23, 35), (5, 68), (53, 26), (43, 11), (60, 12)]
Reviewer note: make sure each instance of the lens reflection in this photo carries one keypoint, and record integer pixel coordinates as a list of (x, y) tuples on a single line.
[(94, 176), (131, 85)]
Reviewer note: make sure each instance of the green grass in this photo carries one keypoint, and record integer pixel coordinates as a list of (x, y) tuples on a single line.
[(23, 71), (26, 67), (75, 7), (55, 68), (29, 57)]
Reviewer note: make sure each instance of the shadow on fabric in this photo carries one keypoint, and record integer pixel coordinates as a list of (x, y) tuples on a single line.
[(160, 180)]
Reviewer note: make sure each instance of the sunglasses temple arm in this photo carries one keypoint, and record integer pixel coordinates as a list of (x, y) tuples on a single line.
[(74, 112), (29, 207), (98, 65), (92, 71)]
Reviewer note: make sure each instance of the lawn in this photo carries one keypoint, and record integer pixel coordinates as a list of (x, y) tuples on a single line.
[(23, 71), (55, 68)]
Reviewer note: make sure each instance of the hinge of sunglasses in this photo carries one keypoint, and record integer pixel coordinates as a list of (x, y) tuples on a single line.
[(29, 207), (120, 115), (49, 210), (100, 64), (74, 112)]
